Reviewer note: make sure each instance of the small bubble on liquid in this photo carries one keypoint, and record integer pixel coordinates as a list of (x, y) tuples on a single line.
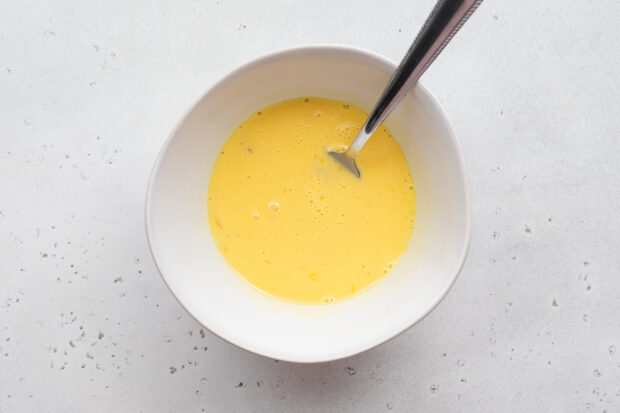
[(306, 100), (274, 207), (328, 299), (255, 215)]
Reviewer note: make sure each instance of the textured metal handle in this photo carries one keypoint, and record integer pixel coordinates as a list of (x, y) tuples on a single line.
[(445, 20)]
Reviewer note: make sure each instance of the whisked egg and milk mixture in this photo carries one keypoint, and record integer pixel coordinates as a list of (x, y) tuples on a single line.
[(294, 223)]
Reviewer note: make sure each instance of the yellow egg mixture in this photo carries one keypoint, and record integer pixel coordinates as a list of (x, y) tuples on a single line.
[(291, 220)]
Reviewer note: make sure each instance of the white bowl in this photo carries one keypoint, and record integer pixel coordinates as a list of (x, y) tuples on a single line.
[(202, 281)]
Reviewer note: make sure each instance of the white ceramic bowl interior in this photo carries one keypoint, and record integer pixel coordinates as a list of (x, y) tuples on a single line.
[(200, 278)]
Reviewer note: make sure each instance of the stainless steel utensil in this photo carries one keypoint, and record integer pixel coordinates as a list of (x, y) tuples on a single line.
[(447, 17)]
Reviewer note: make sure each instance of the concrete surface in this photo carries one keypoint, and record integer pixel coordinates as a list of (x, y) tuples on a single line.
[(88, 93)]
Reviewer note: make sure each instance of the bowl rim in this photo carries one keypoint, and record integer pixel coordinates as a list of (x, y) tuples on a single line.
[(262, 59)]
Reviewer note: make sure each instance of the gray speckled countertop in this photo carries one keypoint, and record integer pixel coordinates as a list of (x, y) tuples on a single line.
[(88, 93)]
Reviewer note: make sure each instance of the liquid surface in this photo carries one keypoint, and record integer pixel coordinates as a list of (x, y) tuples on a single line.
[(292, 221)]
